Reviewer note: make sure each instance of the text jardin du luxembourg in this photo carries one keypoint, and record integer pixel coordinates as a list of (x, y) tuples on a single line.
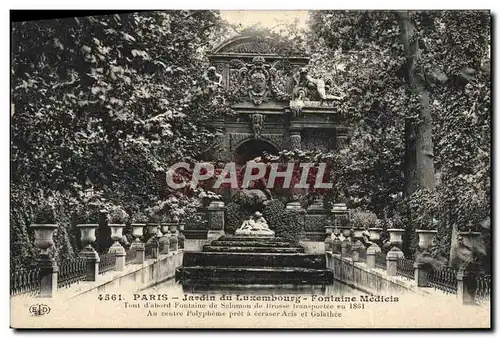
[(265, 298)]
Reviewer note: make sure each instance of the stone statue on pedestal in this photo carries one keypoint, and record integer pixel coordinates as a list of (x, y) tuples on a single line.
[(255, 226)]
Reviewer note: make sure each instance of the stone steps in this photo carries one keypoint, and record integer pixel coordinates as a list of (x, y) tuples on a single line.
[(250, 243), (212, 248), (254, 259), (252, 275)]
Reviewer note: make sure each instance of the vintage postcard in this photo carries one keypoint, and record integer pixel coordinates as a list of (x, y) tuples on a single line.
[(251, 169)]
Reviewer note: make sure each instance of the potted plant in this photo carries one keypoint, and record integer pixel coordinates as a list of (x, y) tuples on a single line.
[(45, 223)]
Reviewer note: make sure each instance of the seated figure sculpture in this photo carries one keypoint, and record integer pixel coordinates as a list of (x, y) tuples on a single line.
[(255, 226)]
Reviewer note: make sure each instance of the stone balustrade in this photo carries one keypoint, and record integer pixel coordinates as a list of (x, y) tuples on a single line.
[(46, 276)]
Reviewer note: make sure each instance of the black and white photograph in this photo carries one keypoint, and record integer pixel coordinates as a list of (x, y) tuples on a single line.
[(251, 169)]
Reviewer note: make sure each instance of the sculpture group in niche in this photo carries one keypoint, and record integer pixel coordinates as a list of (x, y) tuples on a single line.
[(308, 88), (255, 226)]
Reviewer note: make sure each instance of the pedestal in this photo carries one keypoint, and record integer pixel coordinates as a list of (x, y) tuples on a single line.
[(392, 260), (216, 211), (48, 275)]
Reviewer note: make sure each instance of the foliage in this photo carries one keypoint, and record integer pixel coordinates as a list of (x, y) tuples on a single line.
[(46, 214), (285, 224), (363, 219), (117, 215), (362, 51), (108, 101), (139, 217)]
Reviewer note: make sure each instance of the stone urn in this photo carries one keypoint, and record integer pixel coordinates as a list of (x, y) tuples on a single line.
[(87, 234), (116, 236), (425, 238), (152, 228), (346, 233), (375, 234), (396, 237), (137, 231), (469, 237), (358, 233), (44, 236)]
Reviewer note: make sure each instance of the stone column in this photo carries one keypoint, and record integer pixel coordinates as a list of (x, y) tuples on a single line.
[(295, 140), (392, 260), (216, 211), (420, 274), (48, 267)]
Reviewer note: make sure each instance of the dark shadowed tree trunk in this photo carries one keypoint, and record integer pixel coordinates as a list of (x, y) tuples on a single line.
[(419, 157)]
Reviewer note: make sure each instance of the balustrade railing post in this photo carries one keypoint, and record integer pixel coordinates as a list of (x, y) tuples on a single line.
[(137, 244), (47, 265), (392, 260), (370, 255), (216, 210), (164, 239), (173, 240), (466, 286), (48, 275), (421, 274), (87, 237)]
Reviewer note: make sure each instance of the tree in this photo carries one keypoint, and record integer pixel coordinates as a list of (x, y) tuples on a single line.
[(411, 66), (109, 101)]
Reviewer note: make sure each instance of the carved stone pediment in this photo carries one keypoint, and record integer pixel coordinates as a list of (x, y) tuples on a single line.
[(257, 80)]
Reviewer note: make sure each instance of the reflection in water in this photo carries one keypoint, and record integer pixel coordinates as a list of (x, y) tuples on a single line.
[(174, 288)]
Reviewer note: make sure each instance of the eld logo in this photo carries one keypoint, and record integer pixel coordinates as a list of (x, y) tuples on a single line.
[(39, 310)]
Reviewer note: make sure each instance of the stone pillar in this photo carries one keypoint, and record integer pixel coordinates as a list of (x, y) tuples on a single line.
[(47, 265), (181, 236), (420, 274), (392, 260), (466, 286), (152, 243), (164, 239), (137, 245), (370, 255), (174, 240), (295, 140), (87, 237), (328, 239), (216, 211), (48, 275), (140, 252)]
